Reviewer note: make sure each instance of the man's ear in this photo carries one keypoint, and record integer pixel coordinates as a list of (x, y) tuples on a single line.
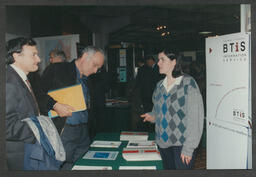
[(175, 61), (15, 56), (84, 56)]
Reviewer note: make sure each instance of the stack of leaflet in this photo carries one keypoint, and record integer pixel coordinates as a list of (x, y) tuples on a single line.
[(141, 144), (143, 154), (129, 135), (106, 144)]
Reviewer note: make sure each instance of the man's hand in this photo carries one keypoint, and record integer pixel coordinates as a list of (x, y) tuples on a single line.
[(147, 117), (185, 159), (63, 110)]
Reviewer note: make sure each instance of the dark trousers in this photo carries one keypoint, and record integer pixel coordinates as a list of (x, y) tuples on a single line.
[(172, 160), (76, 142)]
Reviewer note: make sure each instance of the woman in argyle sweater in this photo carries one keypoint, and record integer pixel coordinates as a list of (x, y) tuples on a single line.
[(178, 114)]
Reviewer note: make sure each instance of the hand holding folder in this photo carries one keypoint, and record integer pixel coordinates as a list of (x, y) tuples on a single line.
[(72, 96), (63, 110)]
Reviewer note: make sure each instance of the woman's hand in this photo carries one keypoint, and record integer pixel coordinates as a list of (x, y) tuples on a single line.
[(147, 117), (185, 159)]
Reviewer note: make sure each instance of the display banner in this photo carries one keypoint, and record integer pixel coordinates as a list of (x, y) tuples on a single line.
[(228, 101), (67, 43)]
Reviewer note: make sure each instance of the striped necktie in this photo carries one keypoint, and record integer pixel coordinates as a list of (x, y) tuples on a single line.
[(33, 95)]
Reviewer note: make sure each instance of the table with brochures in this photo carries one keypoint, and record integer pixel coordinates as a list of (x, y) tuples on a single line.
[(119, 161)]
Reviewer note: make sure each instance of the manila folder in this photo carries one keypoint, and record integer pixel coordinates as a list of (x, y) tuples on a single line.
[(72, 96)]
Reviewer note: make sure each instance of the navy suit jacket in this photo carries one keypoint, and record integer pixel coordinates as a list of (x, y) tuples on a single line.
[(19, 105)]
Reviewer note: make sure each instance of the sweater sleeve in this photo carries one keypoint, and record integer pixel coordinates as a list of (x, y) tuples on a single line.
[(153, 112), (195, 115)]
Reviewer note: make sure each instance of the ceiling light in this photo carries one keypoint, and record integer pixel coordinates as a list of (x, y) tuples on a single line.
[(163, 34)]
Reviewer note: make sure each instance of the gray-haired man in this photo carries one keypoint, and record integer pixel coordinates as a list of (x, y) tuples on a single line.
[(74, 135)]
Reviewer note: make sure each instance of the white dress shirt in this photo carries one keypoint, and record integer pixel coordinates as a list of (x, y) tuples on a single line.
[(176, 82)]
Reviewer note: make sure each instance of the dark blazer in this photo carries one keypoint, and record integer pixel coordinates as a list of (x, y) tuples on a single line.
[(55, 76), (19, 105), (145, 81)]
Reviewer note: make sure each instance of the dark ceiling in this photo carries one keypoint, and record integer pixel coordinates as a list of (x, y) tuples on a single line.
[(183, 22)]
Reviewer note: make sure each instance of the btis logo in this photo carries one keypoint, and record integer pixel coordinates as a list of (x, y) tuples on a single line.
[(239, 114), (234, 47)]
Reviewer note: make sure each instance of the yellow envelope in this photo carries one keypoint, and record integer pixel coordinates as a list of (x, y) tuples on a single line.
[(72, 96)]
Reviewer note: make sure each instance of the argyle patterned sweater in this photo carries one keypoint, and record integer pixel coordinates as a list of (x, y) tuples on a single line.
[(179, 115)]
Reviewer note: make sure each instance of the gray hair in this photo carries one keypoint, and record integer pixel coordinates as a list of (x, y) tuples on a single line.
[(91, 50), (59, 53)]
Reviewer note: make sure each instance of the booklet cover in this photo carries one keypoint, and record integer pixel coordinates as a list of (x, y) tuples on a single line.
[(101, 155), (72, 96), (106, 144), (82, 167)]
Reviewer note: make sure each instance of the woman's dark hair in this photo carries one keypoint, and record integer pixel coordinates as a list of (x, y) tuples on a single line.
[(177, 71), (15, 46)]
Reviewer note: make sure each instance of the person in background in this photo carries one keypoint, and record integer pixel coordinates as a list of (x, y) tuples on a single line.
[(57, 56), (146, 80), (73, 129), (150, 61), (135, 97), (99, 85), (178, 114)]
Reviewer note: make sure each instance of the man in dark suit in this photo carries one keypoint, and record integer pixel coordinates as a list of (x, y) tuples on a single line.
[(74, 134), (23, 58)]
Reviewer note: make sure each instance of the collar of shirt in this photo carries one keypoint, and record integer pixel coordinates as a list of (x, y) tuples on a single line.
[(20, 73), (176, 82), (78, 75)]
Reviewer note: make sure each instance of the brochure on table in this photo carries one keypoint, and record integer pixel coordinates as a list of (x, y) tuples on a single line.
[(106, 144), (81, 167), (129, 135), (137, 168), (141, 144), (101, 155), (145, 154)]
